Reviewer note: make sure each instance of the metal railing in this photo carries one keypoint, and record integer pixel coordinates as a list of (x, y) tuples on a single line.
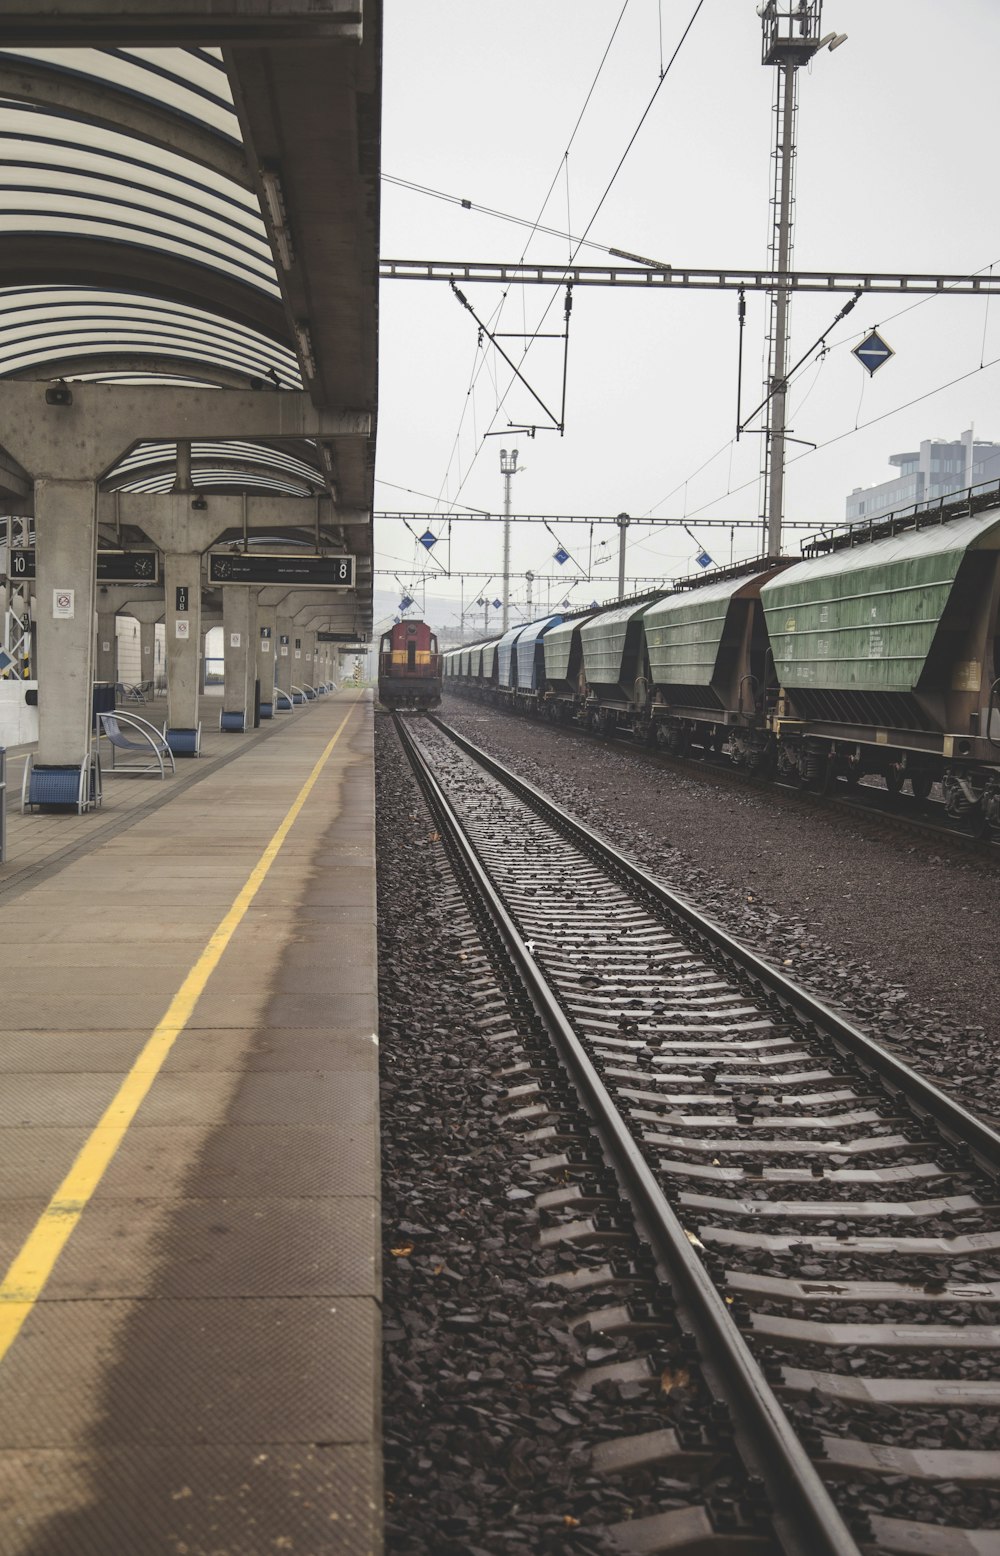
[(3, 804)]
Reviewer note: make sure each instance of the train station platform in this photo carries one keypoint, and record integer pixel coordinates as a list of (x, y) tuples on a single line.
[(189, 1232)]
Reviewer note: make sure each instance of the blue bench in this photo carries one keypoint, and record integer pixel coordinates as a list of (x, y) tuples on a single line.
[(128, 733)]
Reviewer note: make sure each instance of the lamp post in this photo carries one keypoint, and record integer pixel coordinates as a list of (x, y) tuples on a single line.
[(508, 469), (529, 579), (623, 521), (791, 37)]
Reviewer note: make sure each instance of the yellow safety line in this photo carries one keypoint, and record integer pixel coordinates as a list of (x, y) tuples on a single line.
[(32, 1266)]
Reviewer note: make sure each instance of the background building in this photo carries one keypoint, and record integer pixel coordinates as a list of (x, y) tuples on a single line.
[(936, 470)]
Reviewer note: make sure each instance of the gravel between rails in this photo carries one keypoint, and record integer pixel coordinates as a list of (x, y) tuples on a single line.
[(899, 937), (487, 1432)]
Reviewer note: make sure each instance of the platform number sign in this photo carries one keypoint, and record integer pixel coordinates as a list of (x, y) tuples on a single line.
[(181, 600)]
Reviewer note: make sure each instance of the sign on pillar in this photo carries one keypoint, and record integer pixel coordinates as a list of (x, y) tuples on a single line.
[(182, 600), (239, 613), (66, 590), (266, 668)]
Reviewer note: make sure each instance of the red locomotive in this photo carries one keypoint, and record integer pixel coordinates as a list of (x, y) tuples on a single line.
[(409, 666)]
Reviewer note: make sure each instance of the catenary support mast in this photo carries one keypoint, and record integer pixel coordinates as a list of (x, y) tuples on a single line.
[(791, 37)]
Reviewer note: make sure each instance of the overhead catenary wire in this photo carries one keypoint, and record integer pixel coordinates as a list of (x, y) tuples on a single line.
[(793, 377), (647, 542), (873, 421), (607, 190), (495, 316)]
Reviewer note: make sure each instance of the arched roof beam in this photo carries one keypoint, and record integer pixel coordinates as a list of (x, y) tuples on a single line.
[(140, 364), (207, 454), (78, 96), (64, 259), (36, 328), (223, 470), (180, 22)]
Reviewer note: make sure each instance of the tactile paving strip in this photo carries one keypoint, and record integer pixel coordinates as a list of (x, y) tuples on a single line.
[(248, 1160), (225, 1248), (254, 1371), (315, 1501)]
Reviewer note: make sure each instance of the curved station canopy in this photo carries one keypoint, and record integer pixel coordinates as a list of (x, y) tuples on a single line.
[(189, 202)]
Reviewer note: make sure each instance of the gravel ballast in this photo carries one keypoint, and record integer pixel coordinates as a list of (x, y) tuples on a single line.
[(898, 935), (489, 1416)]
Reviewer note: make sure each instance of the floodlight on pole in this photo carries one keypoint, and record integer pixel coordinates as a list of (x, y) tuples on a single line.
[(623, 521), (791, 37), (508, 469)]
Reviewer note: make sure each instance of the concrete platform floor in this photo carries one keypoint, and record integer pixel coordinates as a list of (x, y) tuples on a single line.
[(189, 1329), (41, 838)]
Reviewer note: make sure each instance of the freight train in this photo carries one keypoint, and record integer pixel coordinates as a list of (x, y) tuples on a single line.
[(409, 666), (877, 653)]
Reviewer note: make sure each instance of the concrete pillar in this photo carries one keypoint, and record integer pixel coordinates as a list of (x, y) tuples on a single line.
[(266, 625), (147, 654), (182, 599), (66, 585), (239, 634), (308, 669), (298, 655), (106, 659), (285, 628)]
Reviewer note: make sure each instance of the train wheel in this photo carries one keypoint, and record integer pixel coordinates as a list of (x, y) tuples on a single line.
[(894, 778), (921, 784), (977, 822), (826, 781), (765, 764)]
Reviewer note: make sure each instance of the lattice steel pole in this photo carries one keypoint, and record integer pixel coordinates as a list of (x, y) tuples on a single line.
[(508, 469), (791, 38)]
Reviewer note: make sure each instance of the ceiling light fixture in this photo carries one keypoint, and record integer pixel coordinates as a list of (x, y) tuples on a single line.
[(277, 210)]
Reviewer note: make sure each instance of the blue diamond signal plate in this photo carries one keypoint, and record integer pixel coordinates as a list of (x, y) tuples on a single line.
[(873, 352)]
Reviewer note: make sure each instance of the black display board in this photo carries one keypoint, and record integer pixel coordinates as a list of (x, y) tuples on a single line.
[(261, 567), (112, 566)]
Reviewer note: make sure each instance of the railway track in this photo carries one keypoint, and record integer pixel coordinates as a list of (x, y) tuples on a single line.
[(893, 814), (824, 1217)]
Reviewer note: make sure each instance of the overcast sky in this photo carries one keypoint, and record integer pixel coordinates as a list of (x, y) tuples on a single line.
[(896, 171)]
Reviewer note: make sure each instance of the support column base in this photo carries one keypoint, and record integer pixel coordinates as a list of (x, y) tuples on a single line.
[(235, 723), (184, 742), (62, 786)]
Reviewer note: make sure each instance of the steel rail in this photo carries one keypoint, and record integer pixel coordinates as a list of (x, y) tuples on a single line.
[(683, 277), (711, 770), (960, 1126), (805, 1520)]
